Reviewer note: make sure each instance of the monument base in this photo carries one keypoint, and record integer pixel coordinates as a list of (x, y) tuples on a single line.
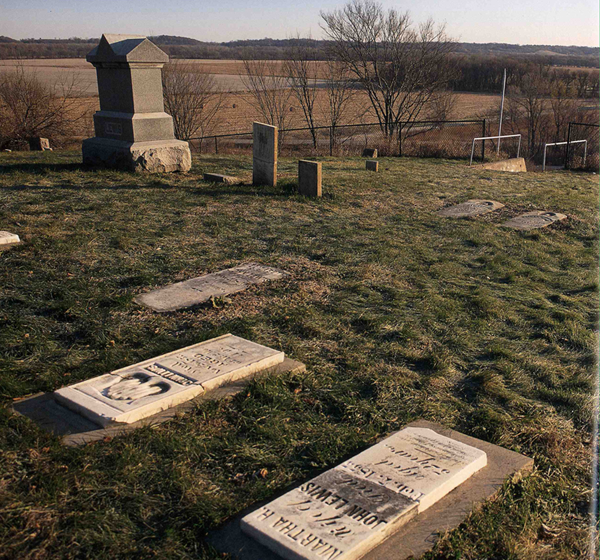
[(164, 156)]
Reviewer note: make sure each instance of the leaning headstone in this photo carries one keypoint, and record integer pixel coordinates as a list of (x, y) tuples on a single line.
[(133, 132), (7, 238), (201, 289), (218, 178), (474, 207), (144, 389), (534, 220), (309, 178), (372, 165), (264, 154), (369, 152), (346, 511)]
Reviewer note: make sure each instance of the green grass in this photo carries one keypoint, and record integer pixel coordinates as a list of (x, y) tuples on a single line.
[(398, 315)]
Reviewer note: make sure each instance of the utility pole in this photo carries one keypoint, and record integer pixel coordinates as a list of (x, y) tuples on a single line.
[(501, 112)]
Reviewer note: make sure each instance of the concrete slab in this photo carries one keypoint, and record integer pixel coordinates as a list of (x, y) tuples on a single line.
[(473, 207), (534, 220), (75, 430), (198, 290), (420, 533)]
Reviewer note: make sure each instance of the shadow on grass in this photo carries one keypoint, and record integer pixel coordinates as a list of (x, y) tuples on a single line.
[(43, 167)]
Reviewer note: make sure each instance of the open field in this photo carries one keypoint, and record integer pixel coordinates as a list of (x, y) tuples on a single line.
[(397, 314)]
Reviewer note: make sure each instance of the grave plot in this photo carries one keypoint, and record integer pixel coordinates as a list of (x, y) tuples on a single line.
[(139, 391), (534, 220), (7, 238), (348, 510), (474, 207), (201, 289)]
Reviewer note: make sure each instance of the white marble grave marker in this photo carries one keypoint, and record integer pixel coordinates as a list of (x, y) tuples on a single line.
[(201, 289), (474, 207), (135, 392), (534, 220), (348, 510), (6, 238)]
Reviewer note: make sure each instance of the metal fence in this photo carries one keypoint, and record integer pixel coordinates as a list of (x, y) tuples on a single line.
[(447, 139), (574, 148)]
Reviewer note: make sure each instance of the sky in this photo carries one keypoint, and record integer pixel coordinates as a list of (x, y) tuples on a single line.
[(525, 22)]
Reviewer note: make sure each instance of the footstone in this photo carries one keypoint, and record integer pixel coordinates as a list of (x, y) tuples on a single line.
[(310, 178), (346, 511), (7, 238), (144, 389), (372, 165), (473, 207), (264, 154), (370, 152), (534, 220), (217, 178), (201, 289)]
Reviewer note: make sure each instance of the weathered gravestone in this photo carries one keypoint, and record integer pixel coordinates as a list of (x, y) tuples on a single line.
[(142, 390), (218, 178), (370, 152), (346, 511), (372, 165), (264, 154), (133, 132), (201, 289), (310, 176), (534, 220), (38, 144), (474, 207), (7, 238)]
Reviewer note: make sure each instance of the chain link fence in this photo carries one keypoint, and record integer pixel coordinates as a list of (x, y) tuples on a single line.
[(575, 151), (440, 139)]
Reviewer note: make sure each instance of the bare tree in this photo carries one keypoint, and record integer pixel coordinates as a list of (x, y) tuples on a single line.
[(30, 108), (192, 98), (269, 90), (399, 65)]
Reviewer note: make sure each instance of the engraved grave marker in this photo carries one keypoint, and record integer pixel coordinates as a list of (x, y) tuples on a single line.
[(534, 220), (474, 207)]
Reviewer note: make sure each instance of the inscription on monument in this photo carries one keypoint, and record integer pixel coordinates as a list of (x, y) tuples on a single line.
[(114, 129), (141, 390), (346, 511)]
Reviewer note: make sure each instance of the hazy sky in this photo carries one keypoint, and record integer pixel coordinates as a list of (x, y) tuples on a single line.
[(557, 22)]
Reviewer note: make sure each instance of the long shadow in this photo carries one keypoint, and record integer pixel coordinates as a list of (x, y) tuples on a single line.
[(43, 167)]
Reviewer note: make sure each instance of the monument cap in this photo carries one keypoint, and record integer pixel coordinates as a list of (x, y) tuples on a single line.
[(126, 48)]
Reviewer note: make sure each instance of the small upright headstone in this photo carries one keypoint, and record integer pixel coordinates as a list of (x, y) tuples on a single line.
[(372, 165), (38, 144), (133, 132), (309, 178), (369, 152), (348, 510), (264, 154), (474, 207), (144, 389), (7, 238), (534, 220)]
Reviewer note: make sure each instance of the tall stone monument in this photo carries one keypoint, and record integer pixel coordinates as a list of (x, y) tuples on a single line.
[(264, 154), (133, 132)]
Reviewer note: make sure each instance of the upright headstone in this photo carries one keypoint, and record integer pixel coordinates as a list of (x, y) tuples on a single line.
[(346, 511), (372, 165), (264, 154), (38, 144), (309, 178), (133, 132), (370, 152)]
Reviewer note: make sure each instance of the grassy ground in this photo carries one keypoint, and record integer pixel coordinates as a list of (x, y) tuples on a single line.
[(398, 315)]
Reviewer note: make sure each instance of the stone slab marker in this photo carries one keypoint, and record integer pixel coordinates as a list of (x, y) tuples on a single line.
[(264, 154), (474, 207), (534, 220), (348, 510), (310, 175), (513, 165), (372, 165), (133, 132), (218, 178), (135, 392), (7, 238), (201, 289)]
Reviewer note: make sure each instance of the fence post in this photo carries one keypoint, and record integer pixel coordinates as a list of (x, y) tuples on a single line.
[(568, 147), (483, 141), (331, 140), (216, 146), (400, 139)]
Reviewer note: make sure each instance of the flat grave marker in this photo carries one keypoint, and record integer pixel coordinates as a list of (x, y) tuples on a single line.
[(473, 207), (348, 510), (144, 389), (201, 289), (7, 238), (218, 178), (310, 175), (534, 220)]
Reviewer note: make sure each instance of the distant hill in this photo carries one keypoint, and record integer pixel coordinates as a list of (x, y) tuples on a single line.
[(4, 39)]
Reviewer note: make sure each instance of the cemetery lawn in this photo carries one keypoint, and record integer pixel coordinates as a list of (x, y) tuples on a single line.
[(398, 315)]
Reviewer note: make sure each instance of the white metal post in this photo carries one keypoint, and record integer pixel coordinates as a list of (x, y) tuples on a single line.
[(501, 112)]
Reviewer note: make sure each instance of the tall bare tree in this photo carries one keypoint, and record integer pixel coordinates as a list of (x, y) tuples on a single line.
[(399, 65), (340, 88), (192, 98)]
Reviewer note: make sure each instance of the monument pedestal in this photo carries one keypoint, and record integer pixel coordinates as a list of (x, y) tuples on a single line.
[(162, 156)]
